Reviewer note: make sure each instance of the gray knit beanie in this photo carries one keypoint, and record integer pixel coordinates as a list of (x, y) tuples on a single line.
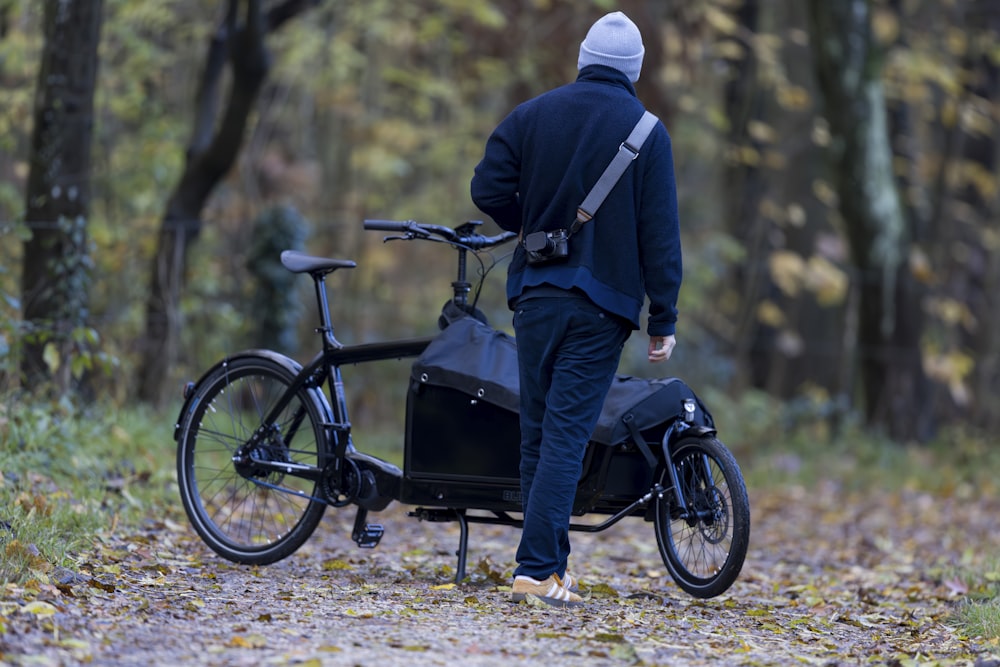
[(613, 41)]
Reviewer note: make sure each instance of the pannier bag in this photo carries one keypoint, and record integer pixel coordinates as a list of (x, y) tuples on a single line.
[(481, 363)]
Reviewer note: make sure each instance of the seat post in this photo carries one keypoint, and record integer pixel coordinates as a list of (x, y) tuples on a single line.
[(322, 301)]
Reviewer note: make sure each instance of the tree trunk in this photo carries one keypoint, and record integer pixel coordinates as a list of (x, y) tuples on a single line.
[(748, 280), (214, 147), (893, 385), (55, 271), (974, 215)]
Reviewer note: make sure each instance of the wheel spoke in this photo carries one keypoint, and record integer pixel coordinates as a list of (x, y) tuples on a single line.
[(238, 506), (704, 543)]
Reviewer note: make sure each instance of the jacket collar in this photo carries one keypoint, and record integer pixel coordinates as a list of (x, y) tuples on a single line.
[(605, 74)]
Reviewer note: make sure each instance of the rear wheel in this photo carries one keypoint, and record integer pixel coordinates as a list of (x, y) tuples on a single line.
[(246, 512), (704, 547)]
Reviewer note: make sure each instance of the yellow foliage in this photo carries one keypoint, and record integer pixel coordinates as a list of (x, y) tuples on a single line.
[(793, 98), (729, 49), (787, 270), (33, 503), (951, 369), (761, 132), (40, 609), (952, 312), (50, 354), (920, 266), (770, 314), (990, 239), (722, 21), (826, 280), (821, 132), (958, 41), (749, 156), (796, 215), (336, 564), (885, 25), (825, 193), (25, 553), (978, 120), (250, 641), (983, 180), (792, 274)]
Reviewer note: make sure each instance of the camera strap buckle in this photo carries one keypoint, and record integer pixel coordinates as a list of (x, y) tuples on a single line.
[(582, 216), (625, 147)]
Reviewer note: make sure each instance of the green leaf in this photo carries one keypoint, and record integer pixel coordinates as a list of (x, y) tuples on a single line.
[(50, 355)]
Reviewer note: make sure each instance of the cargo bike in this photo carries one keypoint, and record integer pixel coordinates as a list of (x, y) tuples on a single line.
[(265, 444)]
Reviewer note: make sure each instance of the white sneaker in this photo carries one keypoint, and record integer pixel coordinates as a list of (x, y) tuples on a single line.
[(550, 591)]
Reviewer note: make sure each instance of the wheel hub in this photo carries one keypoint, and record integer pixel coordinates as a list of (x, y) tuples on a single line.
[(269, 448)]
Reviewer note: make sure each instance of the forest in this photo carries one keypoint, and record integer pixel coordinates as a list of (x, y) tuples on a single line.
[(836, 167)]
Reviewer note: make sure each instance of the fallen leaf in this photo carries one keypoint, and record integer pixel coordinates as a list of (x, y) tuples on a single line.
[(40, 609)]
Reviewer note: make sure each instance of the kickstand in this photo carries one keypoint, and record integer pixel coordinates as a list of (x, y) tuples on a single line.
[(463, 546), (442, 514)]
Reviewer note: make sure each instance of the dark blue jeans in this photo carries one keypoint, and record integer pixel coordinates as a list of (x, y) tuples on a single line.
[(568, 352)]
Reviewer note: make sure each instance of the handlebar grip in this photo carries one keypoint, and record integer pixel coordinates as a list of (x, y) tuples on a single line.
[(389, 225)]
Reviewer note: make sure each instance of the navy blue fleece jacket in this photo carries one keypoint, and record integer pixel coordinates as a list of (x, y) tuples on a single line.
[(540, 163)]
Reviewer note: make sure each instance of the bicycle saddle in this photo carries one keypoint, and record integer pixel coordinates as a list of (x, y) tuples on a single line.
[(298, 262)]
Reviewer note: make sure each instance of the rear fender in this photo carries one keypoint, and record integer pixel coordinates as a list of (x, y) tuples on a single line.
[(191, 389)]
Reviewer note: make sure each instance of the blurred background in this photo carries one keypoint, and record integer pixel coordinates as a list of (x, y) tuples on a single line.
[(836, 168)]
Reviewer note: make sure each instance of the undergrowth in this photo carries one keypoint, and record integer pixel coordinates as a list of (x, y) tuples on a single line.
[(979, 615), (68, 475)]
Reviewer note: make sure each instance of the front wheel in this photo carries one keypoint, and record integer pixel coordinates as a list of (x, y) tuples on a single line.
[(250, 514), (704, 545)]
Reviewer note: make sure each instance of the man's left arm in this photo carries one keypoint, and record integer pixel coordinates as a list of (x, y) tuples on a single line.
[(659, 237)]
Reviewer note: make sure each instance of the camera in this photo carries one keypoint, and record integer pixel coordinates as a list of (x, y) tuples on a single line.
[(547, 247)]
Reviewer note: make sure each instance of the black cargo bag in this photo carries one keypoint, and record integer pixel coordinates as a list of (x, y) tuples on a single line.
[(472, 360), (638, 405), (462, 407)]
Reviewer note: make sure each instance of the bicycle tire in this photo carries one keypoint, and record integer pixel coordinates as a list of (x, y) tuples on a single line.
[(245, 518), (704, 555)]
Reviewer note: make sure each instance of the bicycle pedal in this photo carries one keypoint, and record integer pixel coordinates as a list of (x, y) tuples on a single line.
[(370, 536)]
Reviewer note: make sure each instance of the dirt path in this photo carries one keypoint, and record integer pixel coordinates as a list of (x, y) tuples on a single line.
[(830, 579)]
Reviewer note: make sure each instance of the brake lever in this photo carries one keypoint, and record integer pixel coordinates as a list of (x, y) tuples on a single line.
[(410, 235)]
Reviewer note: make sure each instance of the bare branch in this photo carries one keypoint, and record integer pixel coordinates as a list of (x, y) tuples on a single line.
[(207, 95)]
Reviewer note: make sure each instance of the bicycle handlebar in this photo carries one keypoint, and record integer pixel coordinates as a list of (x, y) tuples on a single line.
[(462, 235)]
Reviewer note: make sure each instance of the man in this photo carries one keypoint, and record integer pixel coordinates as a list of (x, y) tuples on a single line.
[(572, 318)]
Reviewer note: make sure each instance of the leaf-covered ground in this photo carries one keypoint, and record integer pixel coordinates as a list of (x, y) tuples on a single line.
[(832, 578)]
